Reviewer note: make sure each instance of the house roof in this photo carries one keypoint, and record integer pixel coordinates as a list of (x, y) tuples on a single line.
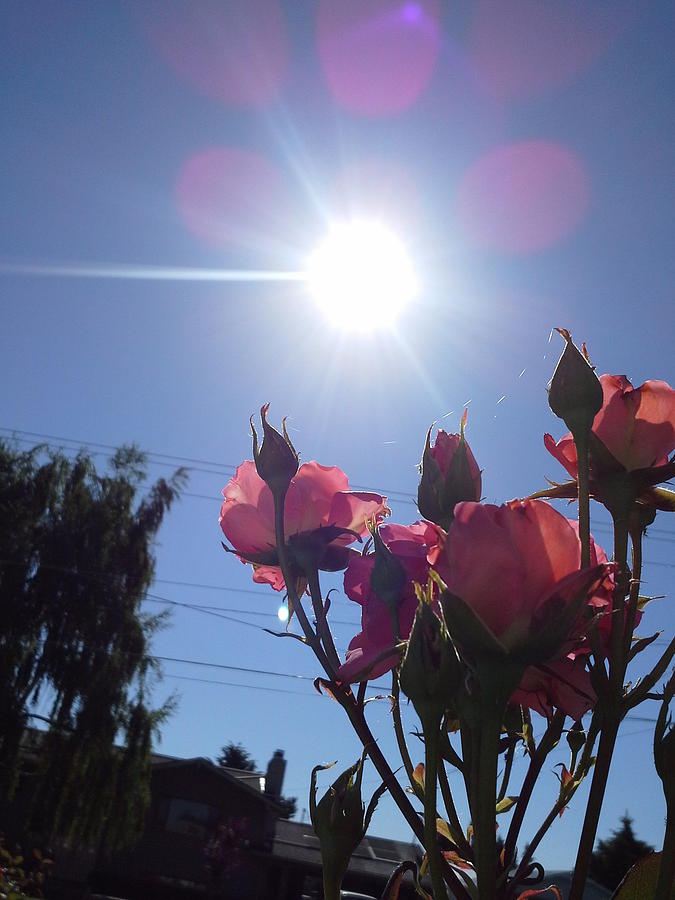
[(375, 857), (201, 762)]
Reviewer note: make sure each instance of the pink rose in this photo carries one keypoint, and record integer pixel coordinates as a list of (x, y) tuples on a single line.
[(636, 425), (410, 544), (516, 566), (319, 510), (562, 684)]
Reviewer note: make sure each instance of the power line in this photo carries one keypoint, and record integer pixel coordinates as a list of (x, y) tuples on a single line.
[(260, 687), (229, 468), (246, 612), (250, 687), (216, 611), (218, 468)]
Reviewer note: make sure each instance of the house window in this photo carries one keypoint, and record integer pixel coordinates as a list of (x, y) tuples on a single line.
[(192, 818)]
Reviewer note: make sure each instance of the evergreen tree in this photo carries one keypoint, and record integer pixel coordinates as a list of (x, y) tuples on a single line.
[(614, 857), (289, 807), (236, 756), (76, 559)]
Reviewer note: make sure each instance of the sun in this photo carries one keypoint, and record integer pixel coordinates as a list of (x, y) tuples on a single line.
[(361, 276)]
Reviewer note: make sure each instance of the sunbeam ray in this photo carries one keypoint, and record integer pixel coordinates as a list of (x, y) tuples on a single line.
[(149, 273)]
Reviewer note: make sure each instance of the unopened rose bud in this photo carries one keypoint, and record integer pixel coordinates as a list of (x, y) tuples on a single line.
[(575, 393), (340, 821), (388, 578), (276, 461), (450, 474), (576, 737), (430, 672)]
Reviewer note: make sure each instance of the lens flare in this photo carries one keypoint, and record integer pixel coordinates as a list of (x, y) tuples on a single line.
[(361, 276), (282, 613)]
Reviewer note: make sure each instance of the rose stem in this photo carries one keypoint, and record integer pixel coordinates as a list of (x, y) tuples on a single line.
[(346, 698), (430, 729), (321, 620), (400, 737), (581, 441), (508, 765), (450, 810), (611, 711), (399, 796), (286, 571), (548, 741), (664, 885)]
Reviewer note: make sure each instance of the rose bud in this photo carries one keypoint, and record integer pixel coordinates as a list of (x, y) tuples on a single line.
[(576, 737), (450, 474), (430, 672), (388, 579), (340, 820), (276, 461), (575, 392)]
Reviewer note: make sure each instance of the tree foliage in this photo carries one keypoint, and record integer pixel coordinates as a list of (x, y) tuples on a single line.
[(76, 559), (236, 756), (289, 807), (613, 857)]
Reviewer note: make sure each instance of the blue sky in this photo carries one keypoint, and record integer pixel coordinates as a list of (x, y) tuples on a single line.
[(525, 153)]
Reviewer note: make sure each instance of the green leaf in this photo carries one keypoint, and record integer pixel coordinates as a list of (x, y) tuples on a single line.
[(663, 499), (393, 887), (372, 805), (641, 644), (505, 804), (443, 829), (312, 787), (468, 629), (640, 882)]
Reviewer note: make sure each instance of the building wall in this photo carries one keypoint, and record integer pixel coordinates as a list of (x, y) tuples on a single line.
[(188, 802)]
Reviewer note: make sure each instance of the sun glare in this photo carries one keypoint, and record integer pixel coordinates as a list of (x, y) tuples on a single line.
[(361, 276), (282, 613)]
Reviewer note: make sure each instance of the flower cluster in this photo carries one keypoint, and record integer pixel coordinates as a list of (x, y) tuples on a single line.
[(483, 613), (514, 566)]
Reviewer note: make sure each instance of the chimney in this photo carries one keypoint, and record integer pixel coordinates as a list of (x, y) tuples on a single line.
[(274, 778)]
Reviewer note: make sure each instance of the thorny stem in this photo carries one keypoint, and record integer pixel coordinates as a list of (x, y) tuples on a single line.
[(458, 837), (321, 622), (347, 701), (610, 728), (558, 806), (664, 885), (634, 594), (495, 689), (508, 765), (638, 694), (468, 773), (550, 738), (612, 711), (581, 441), (448, 751), (289, 579), (398, 795), (430, 830), (592, 733), (400, 736), (617, 662)]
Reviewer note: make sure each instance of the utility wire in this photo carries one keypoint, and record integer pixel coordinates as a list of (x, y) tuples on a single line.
[(259, 687), (218, 466)]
